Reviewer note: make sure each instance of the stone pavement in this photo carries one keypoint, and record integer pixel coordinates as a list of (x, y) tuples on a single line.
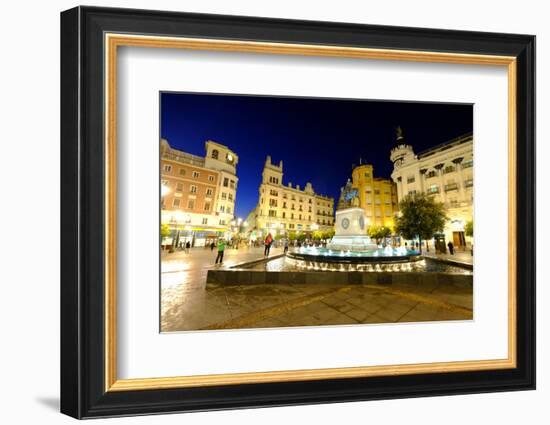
[(187, 303), (461, 256)]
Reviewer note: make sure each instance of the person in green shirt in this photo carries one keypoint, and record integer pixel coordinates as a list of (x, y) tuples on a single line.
[(221, 249)]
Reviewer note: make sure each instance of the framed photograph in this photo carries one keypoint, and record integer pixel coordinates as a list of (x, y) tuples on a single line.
[(261, 212)]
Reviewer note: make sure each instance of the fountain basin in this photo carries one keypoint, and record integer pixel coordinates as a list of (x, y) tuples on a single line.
[(386, 255)]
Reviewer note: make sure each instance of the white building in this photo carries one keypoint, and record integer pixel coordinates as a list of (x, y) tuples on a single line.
[(282, 209), (444, 172)]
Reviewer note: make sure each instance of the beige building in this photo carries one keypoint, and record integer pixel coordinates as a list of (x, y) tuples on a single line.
[(198, 193), (377, 196), (444, 172), (285, 208)]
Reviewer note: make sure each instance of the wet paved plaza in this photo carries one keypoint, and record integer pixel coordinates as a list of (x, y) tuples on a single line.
[(188, 303)]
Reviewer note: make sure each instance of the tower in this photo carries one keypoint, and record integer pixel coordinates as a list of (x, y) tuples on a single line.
[(272, 174), (401, 152)]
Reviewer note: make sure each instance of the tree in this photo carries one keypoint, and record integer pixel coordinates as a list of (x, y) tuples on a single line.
[(379, 233), (292, 236), (420, 217), (164, 232), (328, 234), (317, 235), (469, 228)]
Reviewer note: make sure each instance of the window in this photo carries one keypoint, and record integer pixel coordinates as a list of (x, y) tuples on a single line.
[(433, 189), (377, 191), (191, 204), (448, 169), (284, 214), (222, 222), (207, 206), (308, 218), (410, 179), (215, 154), (179, 187), (225, 182), (431, 174), (230, 196), (292, 216), (451, 186), (196, 174), (468, 164), (310, 202), (193, 188), (232, 184), (412, 192), (367, 175), (205, 220), (165, 183), (292, 207), (228, 210), (272, 202), (273, 192), (209, 191), (222, 208), (468, 183), (182, 171), (388, 212), (377, 212), (167, 168), (300, 217), (210, 178), (176, 202), (272, 213), (284, 204), (224, 195)]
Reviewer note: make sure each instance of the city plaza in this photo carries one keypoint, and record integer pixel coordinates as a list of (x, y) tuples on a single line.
[(198, 196)]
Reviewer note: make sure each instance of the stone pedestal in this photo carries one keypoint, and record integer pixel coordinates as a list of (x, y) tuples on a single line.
[(351, 231)]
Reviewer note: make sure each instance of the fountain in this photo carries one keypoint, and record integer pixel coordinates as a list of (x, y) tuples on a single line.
[(351, 248)]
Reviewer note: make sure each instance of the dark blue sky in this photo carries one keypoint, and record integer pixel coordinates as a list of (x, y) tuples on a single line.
[(318, 139)]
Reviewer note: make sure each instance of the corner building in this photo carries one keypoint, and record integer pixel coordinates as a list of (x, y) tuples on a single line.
[(377, 196), (282, 209), (198, 193), (445, 172)]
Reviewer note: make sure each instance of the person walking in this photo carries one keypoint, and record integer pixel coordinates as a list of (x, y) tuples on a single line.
[(286, 246), (187, 247), (212, 246), (221, 249), (451, 248), (267, 243)]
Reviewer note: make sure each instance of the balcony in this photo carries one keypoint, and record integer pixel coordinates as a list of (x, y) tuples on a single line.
[(450, 187), (432, 190)]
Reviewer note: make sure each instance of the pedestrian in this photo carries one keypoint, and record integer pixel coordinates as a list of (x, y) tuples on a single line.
[(286, 246), (267, 244), (187, 247), (212, 245), (451, 248), (221, 249)]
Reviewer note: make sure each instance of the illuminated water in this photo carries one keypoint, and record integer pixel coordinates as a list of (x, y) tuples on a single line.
[(388, 251), (424, 265)]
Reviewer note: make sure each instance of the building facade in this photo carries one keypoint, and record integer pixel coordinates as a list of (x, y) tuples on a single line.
[(283, 208), (444, 172), (377, 196), (198, 193)]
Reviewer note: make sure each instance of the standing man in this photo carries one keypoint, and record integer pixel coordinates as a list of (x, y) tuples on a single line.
[(221, 249), (451, 248), (268, 241), (286, 246)]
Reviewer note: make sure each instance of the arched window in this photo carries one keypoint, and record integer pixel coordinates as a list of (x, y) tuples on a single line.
[(215, 154)]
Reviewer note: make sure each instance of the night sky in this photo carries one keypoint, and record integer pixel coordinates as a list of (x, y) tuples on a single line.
[(317, 139)]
